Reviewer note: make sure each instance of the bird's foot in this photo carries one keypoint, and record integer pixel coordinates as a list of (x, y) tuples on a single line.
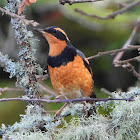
[(59, 97), (85, 106), (57, 114)]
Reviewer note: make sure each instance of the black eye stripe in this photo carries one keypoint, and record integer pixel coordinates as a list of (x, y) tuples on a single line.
[(58, 34), (55, 31)]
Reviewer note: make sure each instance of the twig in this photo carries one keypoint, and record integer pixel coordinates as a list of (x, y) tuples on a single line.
[(10, 89), (70, 2), (51, 111), (107, 92), (42, 77), (43, 87), (32, 22), (119, 63), (131, 69), (48, 97), (125, 64), (67, 100), (130, 47), (112, 15), (47, 89), (121, 5), (120, 54)]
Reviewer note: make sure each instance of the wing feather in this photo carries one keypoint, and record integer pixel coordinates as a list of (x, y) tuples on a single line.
[(86, 62)]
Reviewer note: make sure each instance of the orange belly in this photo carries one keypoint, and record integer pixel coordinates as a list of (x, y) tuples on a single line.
[(73, 80)]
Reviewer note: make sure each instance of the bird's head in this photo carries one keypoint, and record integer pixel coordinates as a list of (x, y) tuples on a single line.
[(56, 38), (53, 34)]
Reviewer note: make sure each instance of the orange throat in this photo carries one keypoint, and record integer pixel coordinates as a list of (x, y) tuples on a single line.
[(56, 46)]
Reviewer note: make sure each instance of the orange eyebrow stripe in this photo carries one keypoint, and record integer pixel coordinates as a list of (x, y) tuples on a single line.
[(62, 32)]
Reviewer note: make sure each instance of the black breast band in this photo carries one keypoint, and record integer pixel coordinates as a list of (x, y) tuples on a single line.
[(66, 56)]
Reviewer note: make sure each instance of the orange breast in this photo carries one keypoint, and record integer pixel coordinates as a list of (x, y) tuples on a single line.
[(73, 80)]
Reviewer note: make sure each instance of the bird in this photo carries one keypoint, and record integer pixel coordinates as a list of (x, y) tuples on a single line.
[(69, 69)]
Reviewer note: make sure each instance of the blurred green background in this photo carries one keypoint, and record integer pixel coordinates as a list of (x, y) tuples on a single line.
[(90, 35)]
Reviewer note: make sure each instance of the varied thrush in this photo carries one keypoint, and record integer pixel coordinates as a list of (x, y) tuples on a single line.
[(69, 70)]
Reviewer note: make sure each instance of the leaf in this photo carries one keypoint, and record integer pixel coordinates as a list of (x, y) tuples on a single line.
[(32, 1), (24, 3)]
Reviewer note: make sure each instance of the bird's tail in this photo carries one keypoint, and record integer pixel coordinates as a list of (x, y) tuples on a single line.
[(93, 95)]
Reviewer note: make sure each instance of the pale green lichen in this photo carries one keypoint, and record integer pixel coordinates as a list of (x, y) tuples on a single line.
[(11, 67), (123, 123), (33, 121)]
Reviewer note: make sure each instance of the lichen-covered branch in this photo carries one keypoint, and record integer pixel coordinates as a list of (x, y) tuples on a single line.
[(121, 123), (70, 2), (112, 15), (10, 66), (68, 100), (27, 75), (32, 22), (4, 60)]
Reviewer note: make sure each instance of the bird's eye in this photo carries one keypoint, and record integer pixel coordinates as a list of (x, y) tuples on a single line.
[(55, 31)]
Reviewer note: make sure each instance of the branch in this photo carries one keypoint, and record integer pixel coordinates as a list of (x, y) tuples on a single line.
[(47, 97), (27, 74), (32, 22), (125, 64), (43, 87), (112, 15), (47, 89), (42, 77), (10, 89), (51, 111), (130, 47), (131, 69), (107, 92), (121, 5), (120, 54), (119, 63), (67, 100), (70, 2)]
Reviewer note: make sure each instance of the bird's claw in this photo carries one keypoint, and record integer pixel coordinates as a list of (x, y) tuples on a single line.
[(84, 105), (57, 116), (58, 97)]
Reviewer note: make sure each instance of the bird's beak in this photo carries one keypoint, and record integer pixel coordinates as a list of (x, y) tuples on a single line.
[(39, 30)]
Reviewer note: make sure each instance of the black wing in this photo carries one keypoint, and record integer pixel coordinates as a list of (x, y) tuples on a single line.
[(86, 63)]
